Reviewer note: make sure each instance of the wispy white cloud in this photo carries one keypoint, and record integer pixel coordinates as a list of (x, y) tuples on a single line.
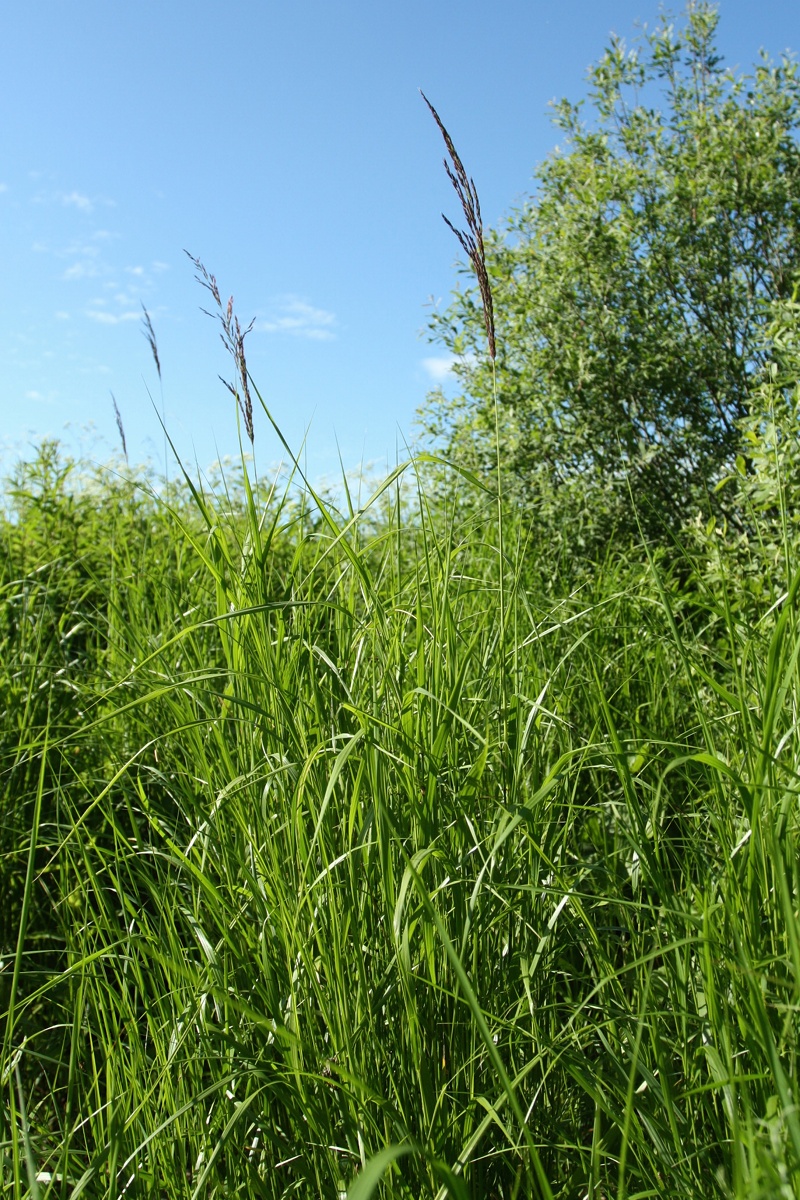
[(87, 262), (49, 195), (77, 200), (81, 246), (36, 397), (144, 275), (294, 316), (440, 366), (116, 292), (108, 318), (85, 268), (104, 291)]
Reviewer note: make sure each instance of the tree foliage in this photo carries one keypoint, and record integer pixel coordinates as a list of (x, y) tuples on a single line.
[(633, 289)]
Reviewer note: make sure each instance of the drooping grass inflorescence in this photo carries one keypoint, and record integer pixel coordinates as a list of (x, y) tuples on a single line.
[(233, 339), (471, 238), (120, 426), (150, 334)]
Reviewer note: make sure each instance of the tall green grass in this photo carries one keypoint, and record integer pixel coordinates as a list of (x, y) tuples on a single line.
[(325, 874), (378, 849)]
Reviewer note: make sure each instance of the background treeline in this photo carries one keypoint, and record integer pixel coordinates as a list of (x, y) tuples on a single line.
[(635, 291), (421, 846)]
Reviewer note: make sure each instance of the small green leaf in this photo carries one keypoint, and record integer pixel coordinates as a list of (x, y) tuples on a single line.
[(367, 1180)]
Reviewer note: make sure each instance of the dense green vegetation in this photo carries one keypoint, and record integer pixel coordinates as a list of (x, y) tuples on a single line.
[(403, 848)]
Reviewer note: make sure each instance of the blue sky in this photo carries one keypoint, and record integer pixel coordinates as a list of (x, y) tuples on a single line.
[(286, 146)]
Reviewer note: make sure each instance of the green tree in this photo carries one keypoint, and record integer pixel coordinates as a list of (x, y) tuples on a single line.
[(633, 289)]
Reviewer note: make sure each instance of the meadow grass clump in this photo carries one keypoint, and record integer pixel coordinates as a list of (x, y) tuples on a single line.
[(347, 854), (289, 890)]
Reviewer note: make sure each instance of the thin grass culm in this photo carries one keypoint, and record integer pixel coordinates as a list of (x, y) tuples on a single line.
[(471, 241), (150, 337)]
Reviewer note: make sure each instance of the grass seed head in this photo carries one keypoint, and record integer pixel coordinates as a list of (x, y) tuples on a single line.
[(120, 426), (233, 340), (149, 333), (471, 238)]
